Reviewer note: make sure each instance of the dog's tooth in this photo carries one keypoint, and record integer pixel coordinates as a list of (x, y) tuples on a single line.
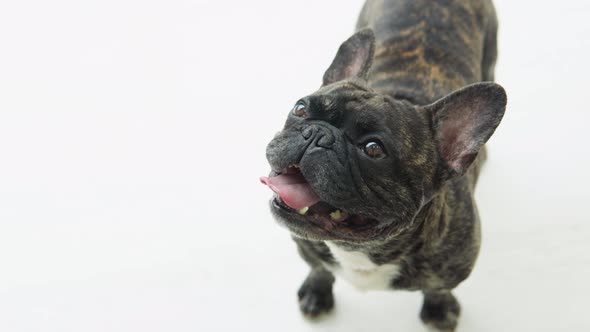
[(336, 215), (303, 211)]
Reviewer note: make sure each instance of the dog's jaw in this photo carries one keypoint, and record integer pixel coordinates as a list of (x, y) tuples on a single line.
[(320, 226)]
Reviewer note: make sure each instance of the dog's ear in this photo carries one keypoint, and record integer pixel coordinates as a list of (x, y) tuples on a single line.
[(463, 121), (353, 59)]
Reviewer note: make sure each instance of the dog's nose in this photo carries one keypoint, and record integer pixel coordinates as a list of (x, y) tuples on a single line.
[(321, 136)]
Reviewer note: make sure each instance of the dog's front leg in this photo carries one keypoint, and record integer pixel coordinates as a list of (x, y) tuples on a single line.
[(315, 294), (440, 310)]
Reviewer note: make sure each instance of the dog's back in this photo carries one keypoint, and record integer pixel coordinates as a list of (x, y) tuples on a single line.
[(428, 48)]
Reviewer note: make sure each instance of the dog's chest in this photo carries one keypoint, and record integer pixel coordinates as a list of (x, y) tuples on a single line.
[(360, 271)]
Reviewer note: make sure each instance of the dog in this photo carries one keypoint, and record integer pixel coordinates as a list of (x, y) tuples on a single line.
[(374, 173)]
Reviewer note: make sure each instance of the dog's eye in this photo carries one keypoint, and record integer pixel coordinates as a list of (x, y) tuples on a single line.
[(374, 150), (299, 110)]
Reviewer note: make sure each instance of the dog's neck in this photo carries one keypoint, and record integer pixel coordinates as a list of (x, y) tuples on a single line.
[(425, 233)]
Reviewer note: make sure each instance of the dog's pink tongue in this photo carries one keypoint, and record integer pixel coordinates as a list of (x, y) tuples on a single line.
[(293, 190)]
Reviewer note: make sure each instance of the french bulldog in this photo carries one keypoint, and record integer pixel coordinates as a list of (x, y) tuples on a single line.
[(374, 173)]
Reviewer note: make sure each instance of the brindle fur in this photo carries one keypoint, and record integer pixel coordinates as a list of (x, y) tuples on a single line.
[(427, 218), (426, 49)]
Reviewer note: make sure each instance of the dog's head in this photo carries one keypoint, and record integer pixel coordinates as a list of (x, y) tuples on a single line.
[(352, 164)]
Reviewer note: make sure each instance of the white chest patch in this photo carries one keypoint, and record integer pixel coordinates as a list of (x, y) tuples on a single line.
[(360, 271)]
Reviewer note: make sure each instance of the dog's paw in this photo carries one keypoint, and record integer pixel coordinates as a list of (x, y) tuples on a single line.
[(440, 313), (314, 302)]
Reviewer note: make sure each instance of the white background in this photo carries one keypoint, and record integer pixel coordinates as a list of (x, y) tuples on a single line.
[(132, 135)]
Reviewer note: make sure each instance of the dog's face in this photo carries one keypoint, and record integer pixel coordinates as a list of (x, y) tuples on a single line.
[(352, 164)]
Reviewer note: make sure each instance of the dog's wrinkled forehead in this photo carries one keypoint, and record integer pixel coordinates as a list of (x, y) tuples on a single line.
[(349, 90), (332, 102)]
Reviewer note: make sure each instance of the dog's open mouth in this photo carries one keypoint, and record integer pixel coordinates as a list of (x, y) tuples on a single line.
[(294, 194)]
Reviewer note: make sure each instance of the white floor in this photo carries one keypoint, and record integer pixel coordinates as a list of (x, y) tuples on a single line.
[(132, 135)]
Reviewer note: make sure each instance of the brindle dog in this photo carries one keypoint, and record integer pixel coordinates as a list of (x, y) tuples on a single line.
[(374, 173)]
